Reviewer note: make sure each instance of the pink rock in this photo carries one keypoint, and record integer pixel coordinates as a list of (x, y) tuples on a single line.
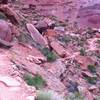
[(9, 81), (14, 18), (48, 21), (15, 93), (85, 93), (30, 53), (56, 68), (55, 84), (84, 61), (5, 31), (37, 37), (12, 88), (97, 35), (51, 80), (5, 64), (61, 9), (89, 16), (37, 60), (58, 48), (42, 24), (93, 87)]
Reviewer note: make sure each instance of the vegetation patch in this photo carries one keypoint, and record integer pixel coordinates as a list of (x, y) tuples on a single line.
[(92, 68), (91, 80), (2, 16), (82, 52), (65, 39), (49, 54), (36, 81), (48, 95), (75, 96)]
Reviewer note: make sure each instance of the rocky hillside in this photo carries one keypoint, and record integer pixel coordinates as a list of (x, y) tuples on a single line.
[(50, 50)]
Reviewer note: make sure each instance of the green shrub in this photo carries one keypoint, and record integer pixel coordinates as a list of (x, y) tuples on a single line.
[(82, 52), (41, 95), (49, 54), (48, 95), (2, 16), (81, 42), (36, 81), (92, 68), (91, 80), (65, 39), (74, 96)]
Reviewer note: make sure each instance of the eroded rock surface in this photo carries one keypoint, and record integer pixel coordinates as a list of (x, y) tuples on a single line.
[(5, 31), (76, 52), (11, 85)]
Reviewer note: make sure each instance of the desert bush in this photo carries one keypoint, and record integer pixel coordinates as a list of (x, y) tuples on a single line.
[(74, 96), (91, 80), (36, 81), (2, 16), (49, 54), (92, 68), (82, 52), (48, 95)]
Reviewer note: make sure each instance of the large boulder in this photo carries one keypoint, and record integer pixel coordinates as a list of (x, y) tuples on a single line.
[(5, 31)]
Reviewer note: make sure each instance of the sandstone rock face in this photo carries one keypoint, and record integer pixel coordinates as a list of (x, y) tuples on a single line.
[(62, 9), (69, 65), (69, 10), (84, 61), (89, 16), (12, 90), (56, 68), (12, 87), (37, 37), (5, 31), (58, 48), (11, 15), (9, 81), (20, 58), (31, 54), (15, 93)]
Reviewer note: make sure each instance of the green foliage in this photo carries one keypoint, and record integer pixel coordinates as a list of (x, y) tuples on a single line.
[(92, 80), (75, 96), (36, 81), (41, 95), (92, 68), (48, 95), (65, 39), (82, 52), (81, 42), (2, 16), (49, 54)]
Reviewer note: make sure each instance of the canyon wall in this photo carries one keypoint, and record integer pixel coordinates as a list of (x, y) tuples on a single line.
[(69, 10)]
